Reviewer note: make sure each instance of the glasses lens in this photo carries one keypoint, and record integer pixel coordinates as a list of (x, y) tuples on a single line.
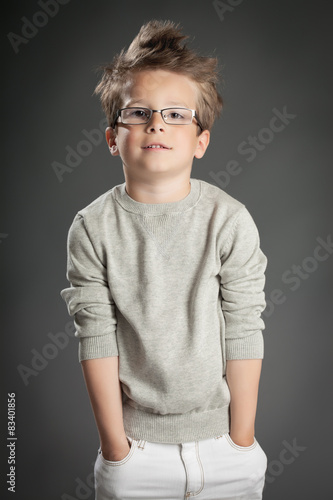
[(172, 116), (177, 116), (135, 115)]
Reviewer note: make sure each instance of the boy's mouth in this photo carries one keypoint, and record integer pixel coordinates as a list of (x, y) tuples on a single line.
[(156, 145)]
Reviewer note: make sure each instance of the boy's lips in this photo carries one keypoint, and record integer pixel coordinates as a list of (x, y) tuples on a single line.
[(156, 146)]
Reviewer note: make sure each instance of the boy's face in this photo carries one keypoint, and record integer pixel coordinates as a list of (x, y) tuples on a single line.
[(158, 89)]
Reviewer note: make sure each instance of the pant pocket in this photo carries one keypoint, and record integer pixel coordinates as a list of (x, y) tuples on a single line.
[(119, 463), (244, 466), (254, 456), (240, 448), (112, 479)]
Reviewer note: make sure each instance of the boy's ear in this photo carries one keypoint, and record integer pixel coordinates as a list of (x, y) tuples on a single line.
[(203, 141), (110, 136)]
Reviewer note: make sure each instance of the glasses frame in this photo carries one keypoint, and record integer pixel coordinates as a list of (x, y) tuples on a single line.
[(151, 111)]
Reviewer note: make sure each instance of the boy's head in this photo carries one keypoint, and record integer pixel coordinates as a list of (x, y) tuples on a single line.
[(159, 45)]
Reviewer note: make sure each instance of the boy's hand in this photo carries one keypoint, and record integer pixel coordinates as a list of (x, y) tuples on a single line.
[(116, 453)]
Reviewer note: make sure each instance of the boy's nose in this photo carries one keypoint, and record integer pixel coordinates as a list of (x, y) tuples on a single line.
[(156, 122)]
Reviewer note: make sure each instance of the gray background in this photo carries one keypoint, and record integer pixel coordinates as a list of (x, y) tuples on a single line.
[(274, 54)]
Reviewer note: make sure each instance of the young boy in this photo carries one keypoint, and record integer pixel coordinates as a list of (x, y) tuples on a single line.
[(167, 281)]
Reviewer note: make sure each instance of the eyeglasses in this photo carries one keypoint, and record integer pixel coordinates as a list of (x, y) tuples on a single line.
[(171, 116)]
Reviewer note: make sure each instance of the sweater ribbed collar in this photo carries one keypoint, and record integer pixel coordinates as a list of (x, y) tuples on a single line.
[(137, 207)]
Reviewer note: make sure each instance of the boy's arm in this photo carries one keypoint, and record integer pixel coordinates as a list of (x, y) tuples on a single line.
[(89, 300), (89, 297), (243, 381), (243, 300), (102, 381)]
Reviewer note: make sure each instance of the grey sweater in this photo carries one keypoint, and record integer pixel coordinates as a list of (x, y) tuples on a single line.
[(175, 289)]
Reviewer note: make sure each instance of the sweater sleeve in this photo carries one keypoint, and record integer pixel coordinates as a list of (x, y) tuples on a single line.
[(242, 283), (89, 299)]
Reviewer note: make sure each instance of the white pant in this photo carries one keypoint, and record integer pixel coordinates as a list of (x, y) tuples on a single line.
[(212, 469)]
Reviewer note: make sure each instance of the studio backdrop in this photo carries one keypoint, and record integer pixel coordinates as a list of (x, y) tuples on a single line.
[(271, 149)]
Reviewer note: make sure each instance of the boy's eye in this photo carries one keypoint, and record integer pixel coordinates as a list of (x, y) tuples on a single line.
[(174, 115), (135, 115), (139, 113)]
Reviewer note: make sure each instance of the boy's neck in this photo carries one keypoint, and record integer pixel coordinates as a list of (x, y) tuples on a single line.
[(165, 192)]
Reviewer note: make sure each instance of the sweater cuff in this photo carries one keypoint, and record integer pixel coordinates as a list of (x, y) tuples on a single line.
[(251, 347), (102, 346)]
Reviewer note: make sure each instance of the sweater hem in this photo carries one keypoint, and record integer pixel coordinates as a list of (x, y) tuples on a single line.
[(175, 428)]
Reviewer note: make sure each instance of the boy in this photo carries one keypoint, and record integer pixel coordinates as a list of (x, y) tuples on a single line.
[(167, 283)]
